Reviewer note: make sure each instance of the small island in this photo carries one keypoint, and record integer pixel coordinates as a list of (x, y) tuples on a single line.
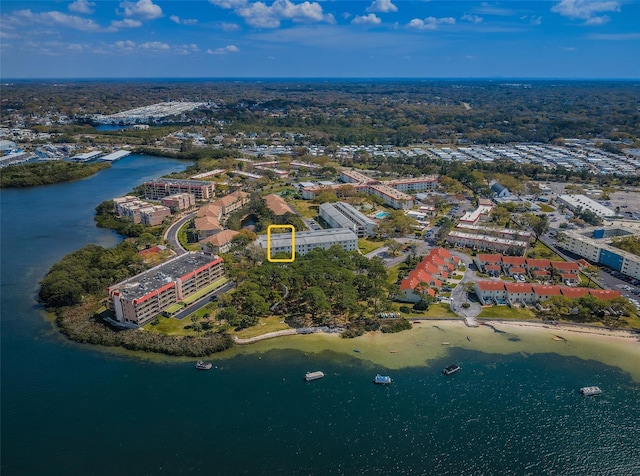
[(47, 173)]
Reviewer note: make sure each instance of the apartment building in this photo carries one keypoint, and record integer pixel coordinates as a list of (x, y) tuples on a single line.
[(179, 201), (430, 273), (343, 215), (140, 211), (498, 292), (164, 187), (140, 298), (306, 241)]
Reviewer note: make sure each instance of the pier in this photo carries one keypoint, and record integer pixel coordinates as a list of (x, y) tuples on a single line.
[(117, 155)]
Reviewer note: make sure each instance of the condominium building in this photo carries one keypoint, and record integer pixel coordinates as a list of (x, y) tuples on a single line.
[(179, 201), (140, 211), (164, 187), (418, 184), (391, 196), (343, 215), (595, 245), (499, 292), (306, 241), (139, 299), (582, 202)]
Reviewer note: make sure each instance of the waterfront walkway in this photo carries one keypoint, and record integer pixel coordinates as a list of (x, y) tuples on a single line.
[(285, 332)]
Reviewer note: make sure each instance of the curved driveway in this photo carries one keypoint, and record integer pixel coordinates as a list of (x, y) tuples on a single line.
[(171, 235)]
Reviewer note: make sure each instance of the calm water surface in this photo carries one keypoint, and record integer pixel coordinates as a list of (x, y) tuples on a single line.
[(69, 409)]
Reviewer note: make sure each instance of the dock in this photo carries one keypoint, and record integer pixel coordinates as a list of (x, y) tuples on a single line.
[(117, 155)]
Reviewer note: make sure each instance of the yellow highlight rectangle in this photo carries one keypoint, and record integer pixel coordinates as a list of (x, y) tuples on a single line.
[(293, 243)]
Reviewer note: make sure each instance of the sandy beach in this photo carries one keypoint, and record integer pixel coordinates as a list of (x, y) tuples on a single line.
[(432, 340)]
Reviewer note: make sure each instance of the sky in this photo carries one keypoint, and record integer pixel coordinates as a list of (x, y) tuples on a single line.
[(571, 39)]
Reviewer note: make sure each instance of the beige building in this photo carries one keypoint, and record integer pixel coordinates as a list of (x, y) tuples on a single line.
[(164, 187), (140, 211), (179, 201), (218, 243)]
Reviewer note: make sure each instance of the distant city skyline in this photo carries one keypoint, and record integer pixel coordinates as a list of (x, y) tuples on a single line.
[(561, 39)]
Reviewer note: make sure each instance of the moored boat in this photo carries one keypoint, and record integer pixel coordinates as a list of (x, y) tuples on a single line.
[(309, 376), (451, 369), (200, 365), (590, 391), (382, 380)]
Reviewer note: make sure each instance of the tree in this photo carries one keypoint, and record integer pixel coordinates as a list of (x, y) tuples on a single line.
[(539, 224), (394, 247)]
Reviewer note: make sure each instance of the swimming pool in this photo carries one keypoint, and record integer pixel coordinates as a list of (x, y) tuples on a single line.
[(381, 215)]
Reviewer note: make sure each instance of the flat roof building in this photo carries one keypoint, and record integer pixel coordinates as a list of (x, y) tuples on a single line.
[(163, 187), (307, 241), (575, 202), (140, 298), (343, 215)]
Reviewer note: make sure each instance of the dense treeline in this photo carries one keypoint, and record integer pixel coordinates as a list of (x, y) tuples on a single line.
[(586, 309), (324, 287), (77, 326), (363, 112), (45, 173), (88, 272)]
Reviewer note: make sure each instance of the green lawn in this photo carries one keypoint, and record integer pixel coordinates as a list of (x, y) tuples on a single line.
[(197, 295), (392, 273), (264, 326), (546, 208), (542, 251), (506, 312), (367, 246), (435, 310), (306, 208), (182, 238)]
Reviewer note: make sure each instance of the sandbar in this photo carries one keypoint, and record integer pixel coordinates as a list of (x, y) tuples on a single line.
[(432, 340)]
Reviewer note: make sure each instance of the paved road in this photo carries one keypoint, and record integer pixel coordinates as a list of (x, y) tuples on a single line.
[(203, 301), (171, 235)]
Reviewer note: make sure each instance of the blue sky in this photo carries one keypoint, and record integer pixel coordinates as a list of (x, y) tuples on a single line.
[(291, 38)]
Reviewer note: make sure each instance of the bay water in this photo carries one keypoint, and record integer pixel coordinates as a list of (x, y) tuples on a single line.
[(72, 409)]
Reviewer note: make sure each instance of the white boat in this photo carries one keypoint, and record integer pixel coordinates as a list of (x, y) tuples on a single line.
[(590, 391), (451, 369), (382, 379), (309, 376), (200, 365)]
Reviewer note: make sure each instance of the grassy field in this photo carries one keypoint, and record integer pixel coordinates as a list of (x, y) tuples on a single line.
[(542, 251), (182, 238), (546, 208), (264, 326), (306, 208), (506, 312), (392, 273), (365, 246)]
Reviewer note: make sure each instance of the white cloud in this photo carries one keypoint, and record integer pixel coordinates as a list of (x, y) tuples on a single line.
[(430, 23), (587, 10), (144, 9), (183, 21), (154, 45), (370, 19), (125, 44), (187, 49), (229, 26), (27, 17), (82, 6), (472, 18), (126, 23), (261, 15), (223, 51), (382, 6)]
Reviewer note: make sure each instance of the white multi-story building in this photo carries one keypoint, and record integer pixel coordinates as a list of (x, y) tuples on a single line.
[(306, 241), (343, 215)]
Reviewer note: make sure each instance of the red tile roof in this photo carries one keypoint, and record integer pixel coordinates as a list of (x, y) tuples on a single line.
[(519, 287), (538, 263), (605, 293), (488, 285), (574, 292), (546, 290), (514, 260), (517, 271), (489, 258), (565, 266), (492, 267)]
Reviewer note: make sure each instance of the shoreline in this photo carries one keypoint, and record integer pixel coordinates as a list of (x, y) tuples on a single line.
[(435, 339)]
